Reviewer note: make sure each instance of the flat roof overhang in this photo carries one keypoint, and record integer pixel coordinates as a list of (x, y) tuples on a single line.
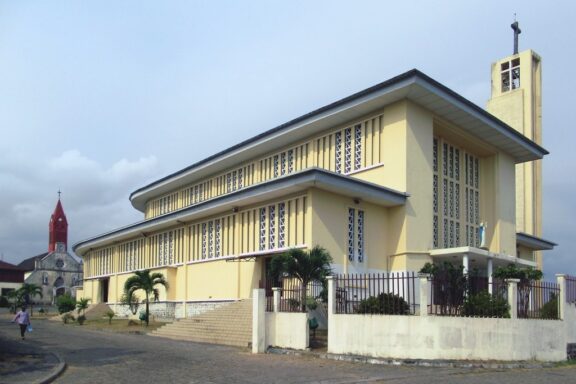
[(286, 185), (534, 242), (478, 257), (412, 85)]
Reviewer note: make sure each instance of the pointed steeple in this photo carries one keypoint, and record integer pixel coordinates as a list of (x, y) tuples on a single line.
[(58, 229)]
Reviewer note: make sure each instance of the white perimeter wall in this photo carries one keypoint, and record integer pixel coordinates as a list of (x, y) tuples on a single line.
[(435, 337), (287, 330)]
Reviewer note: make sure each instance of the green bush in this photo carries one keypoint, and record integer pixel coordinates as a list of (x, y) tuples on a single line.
[(65, 303), (550, 309), (81, 319), (384, 303), (483, 304), (110, 315)]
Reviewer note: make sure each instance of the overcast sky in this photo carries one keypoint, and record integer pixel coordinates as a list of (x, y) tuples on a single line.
[(98, 98)]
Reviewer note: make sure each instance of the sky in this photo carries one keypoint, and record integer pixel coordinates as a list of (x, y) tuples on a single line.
[(99, 98)]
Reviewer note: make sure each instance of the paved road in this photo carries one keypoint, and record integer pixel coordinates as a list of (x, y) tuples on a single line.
[(100, 357)]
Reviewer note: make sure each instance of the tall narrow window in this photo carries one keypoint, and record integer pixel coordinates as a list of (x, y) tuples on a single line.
[(234, 180), (290, 161), (240, 178), (262, 229), (283, 163), (347, 150), (281, 225), (204, 233), (210, 239), (351, 216), (510, 75), (272, 227), (338, 151), (360, 239), (217, 245), (358, 146), (276, 166)]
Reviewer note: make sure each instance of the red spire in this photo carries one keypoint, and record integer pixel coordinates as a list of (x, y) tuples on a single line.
[(58, 228)]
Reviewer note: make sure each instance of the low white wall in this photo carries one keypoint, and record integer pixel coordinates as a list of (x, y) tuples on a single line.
[(435, 337), (287, 330), (570, 321)]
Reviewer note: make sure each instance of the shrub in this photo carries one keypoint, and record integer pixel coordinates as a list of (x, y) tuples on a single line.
[(65, 303), (311, 303), (81, 319), (110, 315), (384, 303), (68, 317), (483, 304), (550, 309)]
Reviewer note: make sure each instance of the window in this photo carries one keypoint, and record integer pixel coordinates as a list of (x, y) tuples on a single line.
[(510, 75), (262, 229), (272, 227), (338, 143), (281, 225), (455, 185), (358, 146), (356, 235), (347, 150)]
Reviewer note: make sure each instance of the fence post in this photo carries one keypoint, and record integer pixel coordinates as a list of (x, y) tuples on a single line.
[(276, 298), (331, 297), (258, 321), (561, 279), (424, 293), (513, 297)]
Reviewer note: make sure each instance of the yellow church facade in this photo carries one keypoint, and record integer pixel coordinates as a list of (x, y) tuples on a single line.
[(400, 174)]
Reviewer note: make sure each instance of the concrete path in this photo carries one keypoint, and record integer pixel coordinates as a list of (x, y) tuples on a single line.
[(102, 357)]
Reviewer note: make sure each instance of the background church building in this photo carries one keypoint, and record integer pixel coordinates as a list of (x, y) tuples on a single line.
[(56, 271), (400, 174)]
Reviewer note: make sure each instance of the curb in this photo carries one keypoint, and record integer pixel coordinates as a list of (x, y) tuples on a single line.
[(415, 362), (56, 371)]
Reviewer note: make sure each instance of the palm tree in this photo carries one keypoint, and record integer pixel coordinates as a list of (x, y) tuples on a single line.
[(305, 266), (82, 305), (146, 281), (27, 292)]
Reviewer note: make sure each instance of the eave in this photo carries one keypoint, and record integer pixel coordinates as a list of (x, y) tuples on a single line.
[(534, 242), (412, 85), (277, 188)]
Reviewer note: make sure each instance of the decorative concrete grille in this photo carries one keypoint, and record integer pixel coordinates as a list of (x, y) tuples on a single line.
[(283, 163), (276, 166), (338, 144), (204, 233), (262, 229), (272, 227), (360, 240), (351, 234), (290, 161), (210, 239), (281, 225), (358, 146), (347, 150), (218, 245)]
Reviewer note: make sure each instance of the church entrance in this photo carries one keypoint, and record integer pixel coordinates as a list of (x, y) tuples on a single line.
[(104, 290)]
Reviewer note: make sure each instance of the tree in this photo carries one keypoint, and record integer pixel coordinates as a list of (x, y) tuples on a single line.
[(145, 281), (305, 266), (27, 293), (82, 305)]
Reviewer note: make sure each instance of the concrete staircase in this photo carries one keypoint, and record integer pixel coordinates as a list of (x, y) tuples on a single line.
[(229, 324)]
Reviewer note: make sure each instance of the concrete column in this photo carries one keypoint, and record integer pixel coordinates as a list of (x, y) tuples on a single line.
[(465, 263), (258, 321), (513, 297), (489, 272), (276, 298), (424, 293), (331, 297), (561, 279)]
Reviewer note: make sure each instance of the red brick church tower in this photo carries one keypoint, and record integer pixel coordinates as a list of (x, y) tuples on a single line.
[(58, 230)]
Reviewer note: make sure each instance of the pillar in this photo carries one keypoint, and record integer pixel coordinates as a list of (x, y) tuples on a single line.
[(513, 297), (489, 272), (424, 293), (465, 263), (258, 321), (561, 279), (331, 296), (276, 298)]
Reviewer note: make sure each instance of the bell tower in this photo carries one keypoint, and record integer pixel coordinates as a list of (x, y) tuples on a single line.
[(58, 229), (516, 99)]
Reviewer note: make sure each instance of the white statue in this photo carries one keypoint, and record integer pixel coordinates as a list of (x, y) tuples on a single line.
[(482, 235)]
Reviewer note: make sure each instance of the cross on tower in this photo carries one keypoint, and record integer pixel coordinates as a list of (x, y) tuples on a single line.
[(59, 193), (516, 27)]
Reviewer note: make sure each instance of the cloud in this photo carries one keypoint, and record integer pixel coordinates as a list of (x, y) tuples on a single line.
[(94, 197)]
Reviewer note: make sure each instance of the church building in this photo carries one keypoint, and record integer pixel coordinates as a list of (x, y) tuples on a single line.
[(56, 271), (397, 175)]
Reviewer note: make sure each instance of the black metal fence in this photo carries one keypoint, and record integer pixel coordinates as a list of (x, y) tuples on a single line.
[(538, 300), (386, 293), (293, 298), (570, 289), (469, 297)]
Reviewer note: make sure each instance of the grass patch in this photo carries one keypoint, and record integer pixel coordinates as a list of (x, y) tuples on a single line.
[(119, 325), (566, 363)]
